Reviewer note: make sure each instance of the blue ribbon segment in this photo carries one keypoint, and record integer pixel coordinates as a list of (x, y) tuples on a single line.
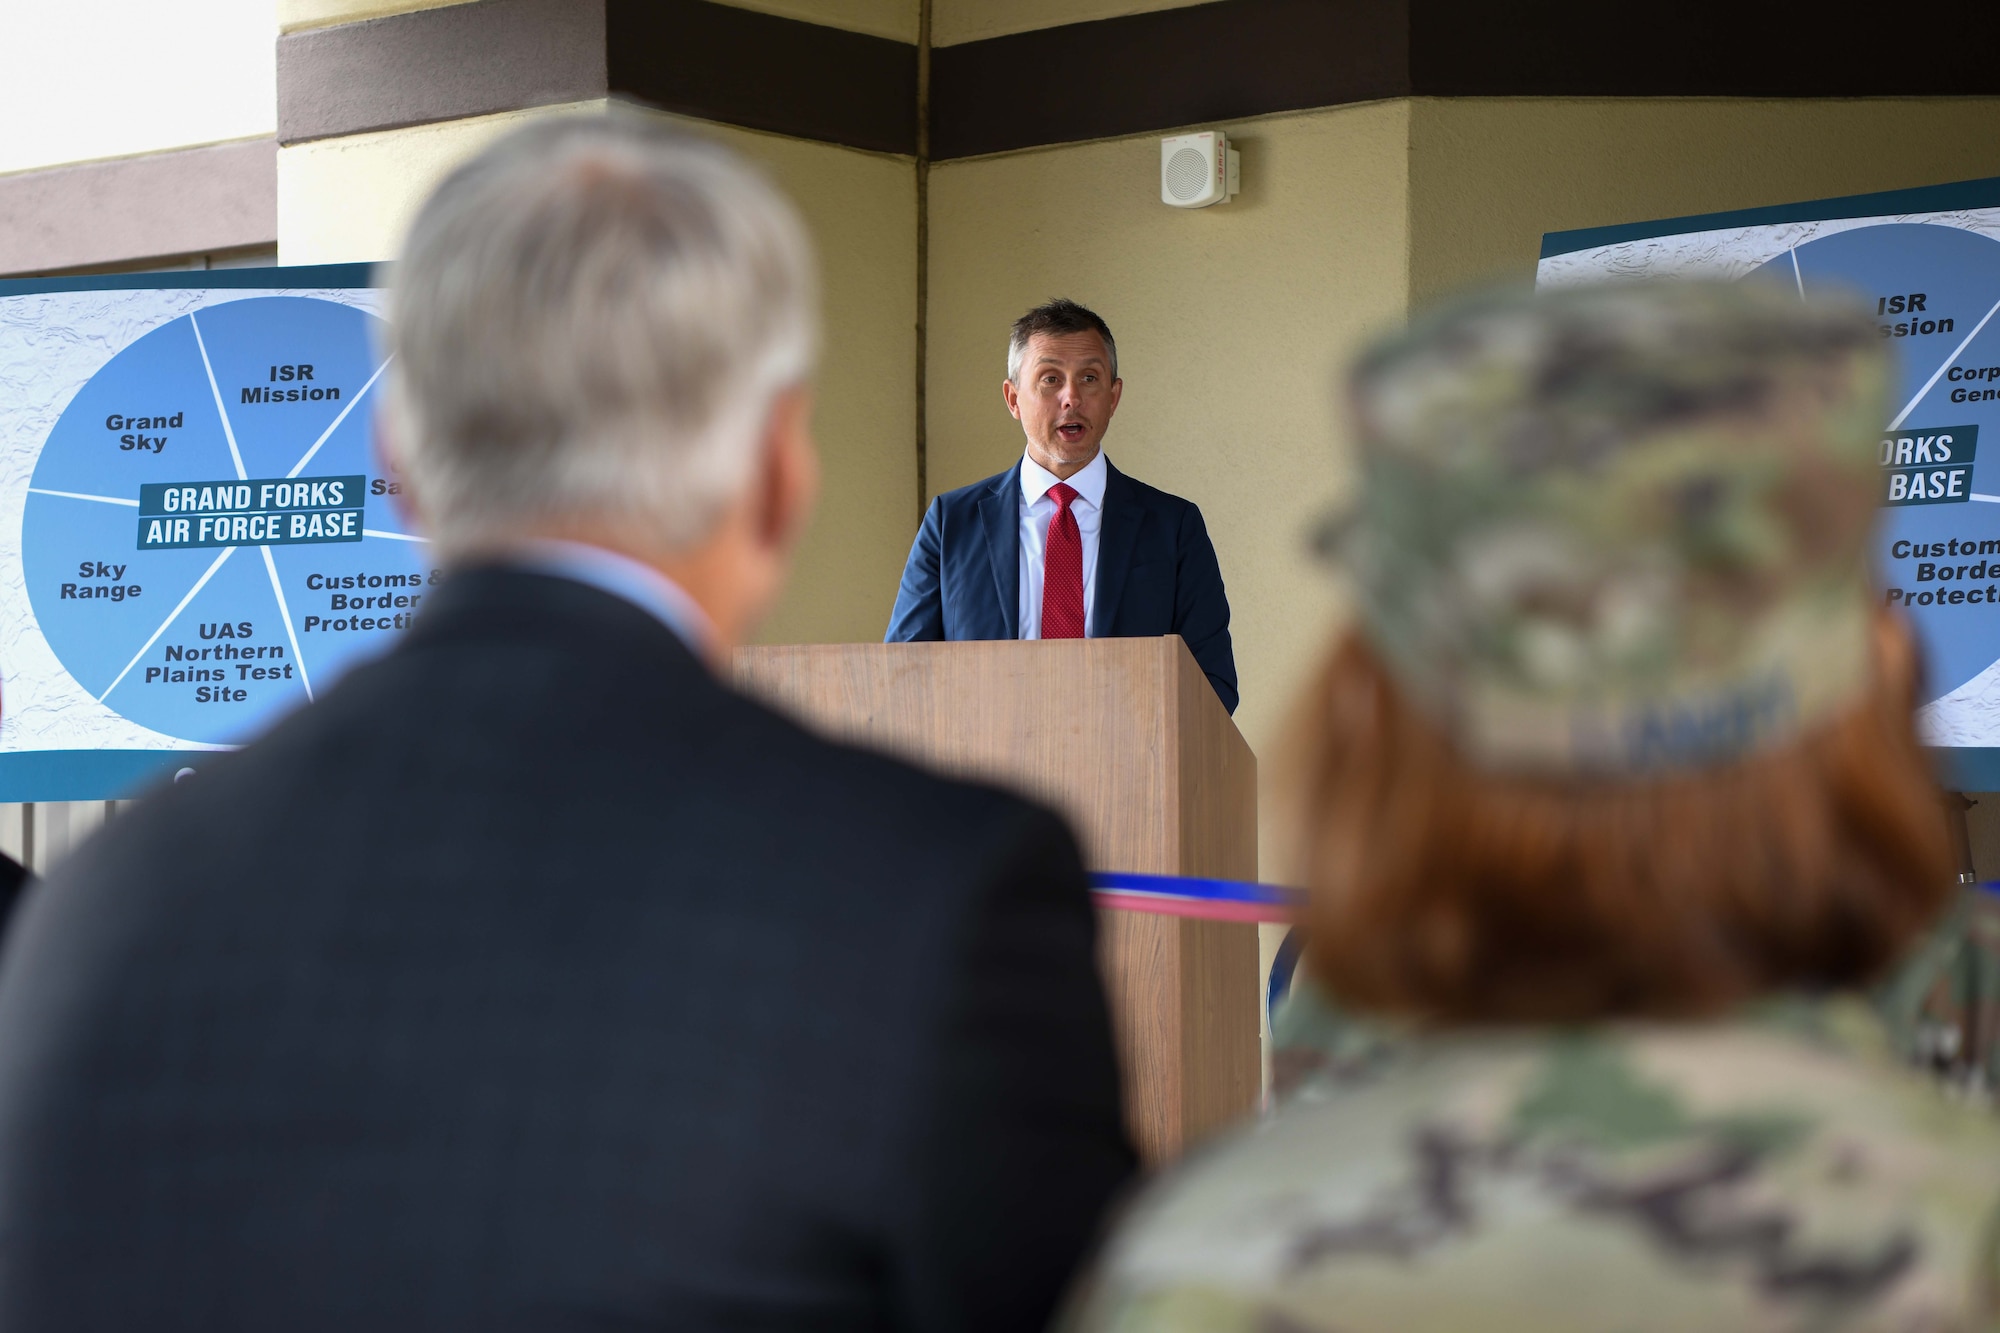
[(1195, 889)]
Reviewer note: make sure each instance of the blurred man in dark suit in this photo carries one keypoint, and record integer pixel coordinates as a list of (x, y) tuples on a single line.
[(14, 877), (1062, 545), (532, 978)]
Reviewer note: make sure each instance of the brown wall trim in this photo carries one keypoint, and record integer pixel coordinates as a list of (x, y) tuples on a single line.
[(1237, 58), (187, 202), (1225, 60), (1169, 67), (1701, 48), (766, 72), (439, 64), (713, 61)]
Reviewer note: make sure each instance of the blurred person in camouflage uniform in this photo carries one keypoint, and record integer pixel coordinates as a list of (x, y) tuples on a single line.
[(1611, 809)]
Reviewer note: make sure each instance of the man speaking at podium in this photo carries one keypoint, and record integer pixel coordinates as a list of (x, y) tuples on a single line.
[(1062, 545)]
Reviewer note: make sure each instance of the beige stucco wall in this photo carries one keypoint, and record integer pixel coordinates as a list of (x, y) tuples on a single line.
[(349, 199), (1230, 322), (1488, 176), (955, 21)]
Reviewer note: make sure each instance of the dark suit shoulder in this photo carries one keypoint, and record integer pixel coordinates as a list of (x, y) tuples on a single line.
[(1153, 497), (965, 497), (13, 878)]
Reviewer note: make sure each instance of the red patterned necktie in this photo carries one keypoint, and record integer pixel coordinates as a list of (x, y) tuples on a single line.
[(1062, 570)]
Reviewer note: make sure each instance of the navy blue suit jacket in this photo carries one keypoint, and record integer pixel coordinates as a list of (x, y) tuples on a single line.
[(337, 1037), (1156, 572)]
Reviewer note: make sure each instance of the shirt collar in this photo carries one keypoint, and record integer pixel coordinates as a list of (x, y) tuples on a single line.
[(1088, 483), (623, 577)]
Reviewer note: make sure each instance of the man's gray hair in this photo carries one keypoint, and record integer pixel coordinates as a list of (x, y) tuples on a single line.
[(592, 319)]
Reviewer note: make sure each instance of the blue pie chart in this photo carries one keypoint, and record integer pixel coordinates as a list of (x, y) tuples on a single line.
[(209, 540), (1935, 292)]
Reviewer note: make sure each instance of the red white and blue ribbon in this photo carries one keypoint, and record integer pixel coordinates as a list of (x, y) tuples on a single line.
[(1184, 895)]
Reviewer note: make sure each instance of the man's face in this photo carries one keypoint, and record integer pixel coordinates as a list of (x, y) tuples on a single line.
[(1065, 399)]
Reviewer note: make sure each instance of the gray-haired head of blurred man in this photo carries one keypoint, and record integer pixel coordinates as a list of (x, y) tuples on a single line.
[(603, 330)]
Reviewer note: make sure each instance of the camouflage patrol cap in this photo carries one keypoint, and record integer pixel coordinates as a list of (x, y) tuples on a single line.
[(1621, 528)]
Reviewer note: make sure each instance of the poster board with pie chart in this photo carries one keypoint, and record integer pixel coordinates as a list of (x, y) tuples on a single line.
[(1926, 263), (196, 535)]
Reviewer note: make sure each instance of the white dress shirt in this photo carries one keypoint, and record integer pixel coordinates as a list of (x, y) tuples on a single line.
[(1038, 509)]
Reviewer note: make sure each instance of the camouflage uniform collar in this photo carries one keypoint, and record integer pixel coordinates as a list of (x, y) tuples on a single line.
[(1318, 1045)]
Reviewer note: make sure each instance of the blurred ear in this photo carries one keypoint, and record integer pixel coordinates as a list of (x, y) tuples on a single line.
[(1012, 397), (1897, 657), (789, 487), (388, 462)]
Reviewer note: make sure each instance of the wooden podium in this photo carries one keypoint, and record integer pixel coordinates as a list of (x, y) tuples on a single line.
[(1127, 739)]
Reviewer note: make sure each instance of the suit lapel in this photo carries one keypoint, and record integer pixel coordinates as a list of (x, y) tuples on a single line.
[(1115, 540), (1000, 515)]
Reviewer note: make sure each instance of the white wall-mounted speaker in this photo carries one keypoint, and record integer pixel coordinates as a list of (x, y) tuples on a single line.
[(1197, 170)]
